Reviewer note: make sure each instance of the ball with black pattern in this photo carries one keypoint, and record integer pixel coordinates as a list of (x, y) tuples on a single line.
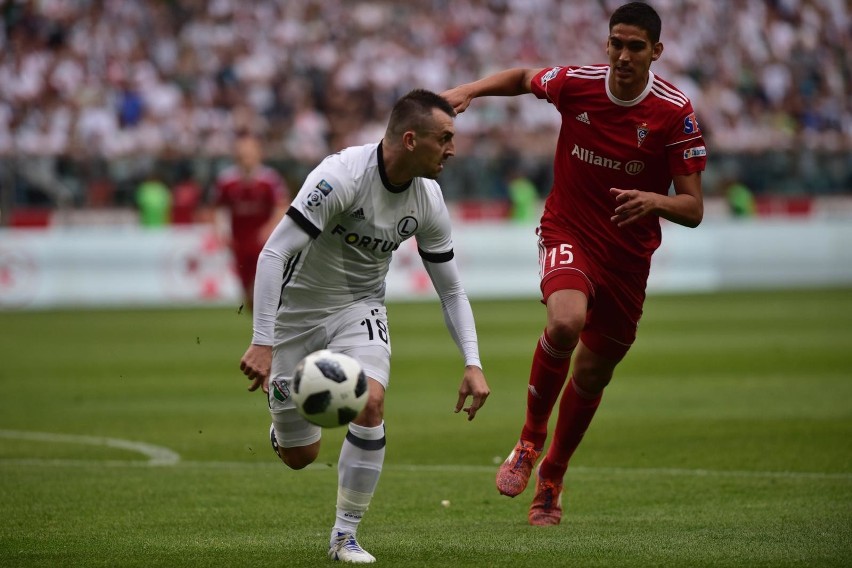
[(329, 389)]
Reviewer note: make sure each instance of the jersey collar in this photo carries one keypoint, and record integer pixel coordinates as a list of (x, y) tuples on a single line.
[(635, 101), (384, 175)]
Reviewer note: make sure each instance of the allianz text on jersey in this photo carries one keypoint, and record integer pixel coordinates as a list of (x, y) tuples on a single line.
[(632, 167)]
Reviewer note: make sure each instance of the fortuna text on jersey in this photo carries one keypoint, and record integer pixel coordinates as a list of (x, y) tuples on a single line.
[(364, 241)]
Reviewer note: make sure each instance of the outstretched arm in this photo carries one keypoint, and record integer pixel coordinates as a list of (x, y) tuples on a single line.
[(459, 319), (508, 83)]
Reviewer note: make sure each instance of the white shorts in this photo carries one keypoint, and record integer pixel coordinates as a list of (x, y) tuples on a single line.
[(360, 331)]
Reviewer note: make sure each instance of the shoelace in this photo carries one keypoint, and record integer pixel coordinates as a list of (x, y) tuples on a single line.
[(549, 489), (348, 542), (522, 456)]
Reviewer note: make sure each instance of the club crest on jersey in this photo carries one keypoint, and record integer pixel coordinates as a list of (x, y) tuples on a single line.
[(641, 133), (324, 187), (406, 226), (690, 124), (550, 75)]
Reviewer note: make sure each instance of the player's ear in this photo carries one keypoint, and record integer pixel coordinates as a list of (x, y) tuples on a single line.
[(409, 140), (658, 51)]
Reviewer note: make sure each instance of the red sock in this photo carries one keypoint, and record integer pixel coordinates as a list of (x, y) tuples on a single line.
[(547, 377), (575, 414)]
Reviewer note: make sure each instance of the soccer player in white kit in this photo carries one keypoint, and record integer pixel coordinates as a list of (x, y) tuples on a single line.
[(321, 284)]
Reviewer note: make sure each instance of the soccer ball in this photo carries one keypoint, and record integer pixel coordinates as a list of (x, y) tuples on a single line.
[(329, 389)]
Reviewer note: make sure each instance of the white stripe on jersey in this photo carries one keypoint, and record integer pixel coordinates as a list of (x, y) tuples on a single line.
[(669, 89), (588, 72), (683, 141), (668, 94)]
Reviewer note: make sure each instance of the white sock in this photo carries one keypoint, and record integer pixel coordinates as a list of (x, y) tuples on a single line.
[(358, 470)]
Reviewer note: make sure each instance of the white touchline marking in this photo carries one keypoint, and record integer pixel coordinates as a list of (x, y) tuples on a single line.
[(437, 468), (676, 472), (157, 455)]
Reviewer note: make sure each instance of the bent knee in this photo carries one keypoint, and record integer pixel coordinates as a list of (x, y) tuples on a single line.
[(372, 415), (300, 457), (590, 382), (374, 411), (592, 372), (564, 332)]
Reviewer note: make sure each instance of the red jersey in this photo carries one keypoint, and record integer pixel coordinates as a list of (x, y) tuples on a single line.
[(605, 142), (250, 199)]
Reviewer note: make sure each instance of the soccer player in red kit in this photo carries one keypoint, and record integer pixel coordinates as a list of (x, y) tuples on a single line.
[(626, 136), (255, 198)]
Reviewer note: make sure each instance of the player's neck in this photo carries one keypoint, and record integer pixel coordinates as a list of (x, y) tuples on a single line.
[(393, 174), (397, 179), (248, 169), (627, 93)]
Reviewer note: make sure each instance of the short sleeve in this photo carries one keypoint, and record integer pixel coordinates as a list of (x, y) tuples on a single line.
[(687, 152), (322, 196)]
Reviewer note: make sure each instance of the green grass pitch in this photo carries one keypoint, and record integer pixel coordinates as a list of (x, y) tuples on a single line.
[(725, 439)]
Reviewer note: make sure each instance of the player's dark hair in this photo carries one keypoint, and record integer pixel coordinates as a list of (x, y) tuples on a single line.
[(640, 15), (414, 111)]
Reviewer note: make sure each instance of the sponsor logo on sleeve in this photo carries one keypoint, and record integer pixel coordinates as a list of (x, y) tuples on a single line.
[(697, 152), (550, 75), (690, 124), (313, 199), (324, 187)]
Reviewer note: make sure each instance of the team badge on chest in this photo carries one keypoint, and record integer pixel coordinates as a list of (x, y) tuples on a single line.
[(641, 133), (407, 226)]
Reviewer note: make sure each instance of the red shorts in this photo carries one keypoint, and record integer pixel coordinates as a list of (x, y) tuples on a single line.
[(615, 297)]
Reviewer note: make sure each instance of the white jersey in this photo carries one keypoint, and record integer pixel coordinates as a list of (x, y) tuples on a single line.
[(357, 220), (335, 244)]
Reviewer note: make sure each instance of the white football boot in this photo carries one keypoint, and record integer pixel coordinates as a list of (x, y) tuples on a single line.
[(345, 548)]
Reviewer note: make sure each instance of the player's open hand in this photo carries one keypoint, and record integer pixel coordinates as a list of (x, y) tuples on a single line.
[(632, 204), (473, 385), (256, 365)]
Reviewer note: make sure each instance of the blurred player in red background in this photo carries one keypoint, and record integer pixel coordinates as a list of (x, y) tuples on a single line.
[(255, 198), (626, 136)]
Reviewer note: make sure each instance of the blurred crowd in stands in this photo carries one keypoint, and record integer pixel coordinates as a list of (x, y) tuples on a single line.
[(131, 81)]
